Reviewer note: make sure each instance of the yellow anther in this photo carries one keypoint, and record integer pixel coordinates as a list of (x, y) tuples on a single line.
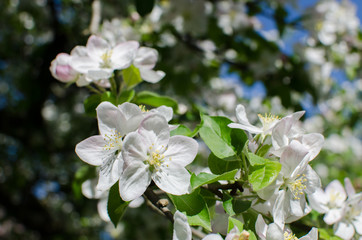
[(289, 236)]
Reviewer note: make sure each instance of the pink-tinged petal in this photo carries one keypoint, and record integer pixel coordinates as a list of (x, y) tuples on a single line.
[(123, 54), (134, 181), (181, 228), (166, 112), (274, 232), (318, 201), (146, 58), (110, 119), (344, 230), (96, 46), (154, 130), (333, 215), (91, 150), (261, 227), (173, 179), (151, 76), (134, 149), (335, 191), (213, 236), (109, 172), (292, 158), (349, 187), (102, 209), (312, 235), (181, 149)]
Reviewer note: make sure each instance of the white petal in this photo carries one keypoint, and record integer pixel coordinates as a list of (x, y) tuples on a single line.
[(110, 172), (313, 180), (134, 149), (333, 215), (154, 129), (279, 209), (357, 222), (102, 209), (110, 119), (123, 54), (312, 235), (166, 112), (136, 203), (172, 179), (89, 189), (292, 158), (133, 116), (181, 149), (99, 73), (261, 227), (318, 201), (213, 236), (151, 76), (344, 230), (84, 64), (181, 228), (249, 128), (314, 143), (349, 187), (96, 46), (274, 232), (146, 58), (134, 181), (336, 193), (91, 150)]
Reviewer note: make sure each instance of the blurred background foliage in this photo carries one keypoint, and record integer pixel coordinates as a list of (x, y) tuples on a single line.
[(209, 67)]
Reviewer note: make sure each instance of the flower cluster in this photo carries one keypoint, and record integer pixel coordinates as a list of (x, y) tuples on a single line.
[(284, 198), (342, 208), (99, 59), (135, 147)]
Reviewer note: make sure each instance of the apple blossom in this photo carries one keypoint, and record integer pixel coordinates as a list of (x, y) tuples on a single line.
[(151, 154), (104, 150), (102, 59), (145, 60), (275, 232)]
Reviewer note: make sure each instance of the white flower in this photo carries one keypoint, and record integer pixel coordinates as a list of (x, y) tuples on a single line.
[(151, 154), (268, 122), (104, 150), (285, 196), (275, 232), (145, 61), (236, 234), (331, 201), (102, 59)]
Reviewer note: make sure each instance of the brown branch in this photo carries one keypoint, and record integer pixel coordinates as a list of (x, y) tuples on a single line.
[(161, 204)]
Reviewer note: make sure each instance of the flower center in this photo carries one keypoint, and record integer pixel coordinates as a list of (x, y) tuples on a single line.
[(113, 140), (143, 108), (334, 196), (268, 120), (297, 187), (244, 235), (155, 158), (289, 236), (106, 58)]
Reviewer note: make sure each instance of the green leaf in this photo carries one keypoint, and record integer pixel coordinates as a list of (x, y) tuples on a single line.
[(144, 7), (263, 171), (220, 166), (115, 206), (109, 97), (234, 206), (154, 100), (217, 136), (131, 76), (181, 130), (206, 178), (195, 208), (252, 235), (263, 150), (324, 234), (235, 223), (91, 103), (126, 96)]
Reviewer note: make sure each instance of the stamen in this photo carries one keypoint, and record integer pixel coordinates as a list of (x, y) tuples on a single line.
[(143, 108), (289, 236), (106, 58), (298, 186), (113, 141)]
